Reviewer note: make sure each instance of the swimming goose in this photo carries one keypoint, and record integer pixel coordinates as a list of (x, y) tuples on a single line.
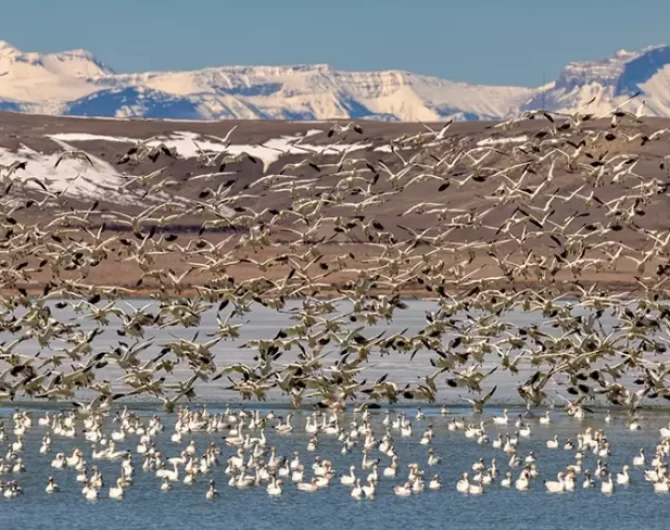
[(17, 446), (165, 484), (309, 487), (553, 444), (284, 427), (501, 420), (313, 444), (403, 491), (392, 470), (12, 489), (588, 481), (357, 491), (370, 489), (59, 462), (557, 486), (90, 493), (662, 486), (212, 492), (607, 486), (427, 436), (298, 474), (524, 431), (117, 492), (433, 459), (274, 487), (523, 482), (374, 476), (406, 430), (463, 485), (476, 489), (46, 445), (52, 487), (623, 478)]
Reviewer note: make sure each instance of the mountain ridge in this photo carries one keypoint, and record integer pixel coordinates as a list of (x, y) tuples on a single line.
[(76, 83)]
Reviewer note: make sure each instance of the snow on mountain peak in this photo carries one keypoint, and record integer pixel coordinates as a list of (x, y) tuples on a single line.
[(611, 80), (7, 49), (75, 83)]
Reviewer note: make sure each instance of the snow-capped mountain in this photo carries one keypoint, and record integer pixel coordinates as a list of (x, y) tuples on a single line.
[(74, 83), (611, 81)]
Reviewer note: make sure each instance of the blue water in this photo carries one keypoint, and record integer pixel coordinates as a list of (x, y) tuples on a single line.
[(146, 507)]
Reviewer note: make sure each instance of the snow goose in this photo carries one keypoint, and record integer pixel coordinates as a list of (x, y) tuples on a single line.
[(403, 491), (476, 489), (463, 485), (274, 487), (370, 489), (59, 462), (588, 481), (607, 486), (555, 486), (212, 492), (662, 486), (392, 470), (435, 483), (501, 420), (623, 478), (357, 491), (309, 487), (553, 443), (52, 487), (116, 492), (433, 459), (523, 482)]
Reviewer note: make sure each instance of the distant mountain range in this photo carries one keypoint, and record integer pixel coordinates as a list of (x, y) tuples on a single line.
[(74, 83)]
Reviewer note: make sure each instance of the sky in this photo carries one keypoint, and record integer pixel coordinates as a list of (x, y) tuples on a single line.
[(501, 42)]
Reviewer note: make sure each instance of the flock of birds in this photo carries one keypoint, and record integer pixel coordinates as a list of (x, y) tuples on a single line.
[(246, 458), (545, 224)]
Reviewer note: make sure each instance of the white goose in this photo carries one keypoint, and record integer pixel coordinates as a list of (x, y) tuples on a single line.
[(116, 492), (623, 478), (556, 486), (274, 487), (350, 479), (607, 486), (403, 491), (52, 487), (463, 485), (357, 492), (501, 420)]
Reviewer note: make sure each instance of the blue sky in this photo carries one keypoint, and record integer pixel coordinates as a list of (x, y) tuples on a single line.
[(513, 42)]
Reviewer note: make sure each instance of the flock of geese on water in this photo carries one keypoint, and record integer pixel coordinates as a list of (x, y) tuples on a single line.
[(513, 226), (254, 462)]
